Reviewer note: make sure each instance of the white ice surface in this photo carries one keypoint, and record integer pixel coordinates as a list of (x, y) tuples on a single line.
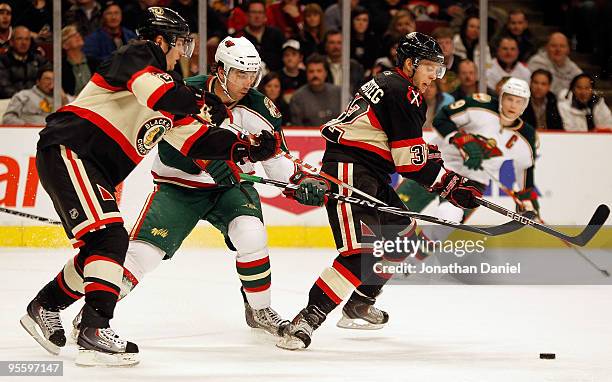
[(187, 318)]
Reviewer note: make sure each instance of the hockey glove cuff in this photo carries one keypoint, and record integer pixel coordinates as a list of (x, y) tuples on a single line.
[(470, 148), (311, 189), (458, 190), (529, 201), (264, 146), (224, 173)]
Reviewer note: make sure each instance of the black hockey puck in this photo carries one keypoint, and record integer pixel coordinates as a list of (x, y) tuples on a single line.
[(548, 355)]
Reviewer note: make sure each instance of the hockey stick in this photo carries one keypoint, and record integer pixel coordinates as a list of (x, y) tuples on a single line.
[(313, 170), (30, 216), (597, 221), (510, 226), (509, 192)]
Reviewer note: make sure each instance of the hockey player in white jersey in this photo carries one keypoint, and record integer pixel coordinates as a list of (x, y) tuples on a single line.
[(188, 191)]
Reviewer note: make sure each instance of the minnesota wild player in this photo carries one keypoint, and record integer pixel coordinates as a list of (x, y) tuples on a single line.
[(187, 191)]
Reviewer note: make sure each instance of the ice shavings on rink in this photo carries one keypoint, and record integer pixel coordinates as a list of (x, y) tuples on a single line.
[(187, 318)]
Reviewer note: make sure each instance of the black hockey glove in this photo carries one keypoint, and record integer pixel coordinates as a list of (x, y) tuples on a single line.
[(264, 146), (224, 173), (458, 190), (213, 109), (311, 191), (434, 154)]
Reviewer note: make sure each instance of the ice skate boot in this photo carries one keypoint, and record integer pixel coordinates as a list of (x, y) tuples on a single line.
[(48, 323), (267, 318), (76, 323), (298, 334), (102, 347), (360, 313)]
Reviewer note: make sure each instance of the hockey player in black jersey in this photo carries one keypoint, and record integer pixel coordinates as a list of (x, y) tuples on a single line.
[(89, 146), (379, 133)]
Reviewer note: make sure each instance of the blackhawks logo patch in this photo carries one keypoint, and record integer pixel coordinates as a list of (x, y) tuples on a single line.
[(272, 108), (151, 133)]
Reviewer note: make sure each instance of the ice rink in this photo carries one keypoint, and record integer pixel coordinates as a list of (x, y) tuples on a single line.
[(187, 318)]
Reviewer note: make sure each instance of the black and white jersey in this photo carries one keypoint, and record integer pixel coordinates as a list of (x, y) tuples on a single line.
[(126, 108), (382, 128)]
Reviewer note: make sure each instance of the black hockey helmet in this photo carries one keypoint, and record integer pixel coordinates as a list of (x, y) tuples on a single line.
[(167, 23), (418, 46)]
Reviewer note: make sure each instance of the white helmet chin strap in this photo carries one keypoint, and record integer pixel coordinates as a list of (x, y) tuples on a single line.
[(224, 84)]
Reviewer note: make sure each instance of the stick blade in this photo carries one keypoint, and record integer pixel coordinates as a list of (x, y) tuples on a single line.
[(597, 221)]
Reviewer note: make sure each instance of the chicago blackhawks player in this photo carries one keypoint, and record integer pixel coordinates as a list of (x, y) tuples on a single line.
[(89, 146), (476, 136), (379, 133), (187, 191)]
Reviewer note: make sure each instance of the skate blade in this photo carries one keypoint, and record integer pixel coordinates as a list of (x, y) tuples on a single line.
[(30, 326), (289, 342), (74, 336), (357, 324), (89, 358)]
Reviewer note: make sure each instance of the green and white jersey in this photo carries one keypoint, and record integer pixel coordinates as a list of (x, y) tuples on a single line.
[(253, 113), (479, 115)]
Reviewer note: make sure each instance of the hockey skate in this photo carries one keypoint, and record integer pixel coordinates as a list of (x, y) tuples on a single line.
[(76, 323), (298, 334), (102, 347), (48, 322), (266, 318), (360, 313)]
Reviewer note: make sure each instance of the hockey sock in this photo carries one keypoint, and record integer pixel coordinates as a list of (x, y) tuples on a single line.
[(335, 283), (256, 279), (65, 288), (103, 272)]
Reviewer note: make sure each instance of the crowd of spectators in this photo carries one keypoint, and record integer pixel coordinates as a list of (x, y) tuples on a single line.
[(300, 43)]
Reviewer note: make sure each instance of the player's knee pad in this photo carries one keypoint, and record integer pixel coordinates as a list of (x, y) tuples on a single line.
[(111, 242), (249, 237), (142, 258), (103, 263)]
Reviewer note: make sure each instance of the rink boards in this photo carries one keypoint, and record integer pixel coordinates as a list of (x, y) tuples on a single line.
[(572, 176)]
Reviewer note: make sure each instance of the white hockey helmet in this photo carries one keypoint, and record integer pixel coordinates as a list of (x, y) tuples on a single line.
[(238, 53), (517, 87)]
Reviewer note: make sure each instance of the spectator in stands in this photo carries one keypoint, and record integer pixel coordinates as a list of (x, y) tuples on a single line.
[(542, 111), (37, 16), (333, 51), (318, 101), (506, 63), (435, 99), (20, 64), (381, 12), (266, 39), (110, 36), (333, 15), (386, 62), (32, 106), (292, 76), (364, 45), (583, 110), (270, 86), (402, 23), (286, 15), (468, 77), (134, 12), (77, 68), (86, 15), (444, 37), (6, 30), (466, 41), (314, 30), (555, 58), (517, 27)]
